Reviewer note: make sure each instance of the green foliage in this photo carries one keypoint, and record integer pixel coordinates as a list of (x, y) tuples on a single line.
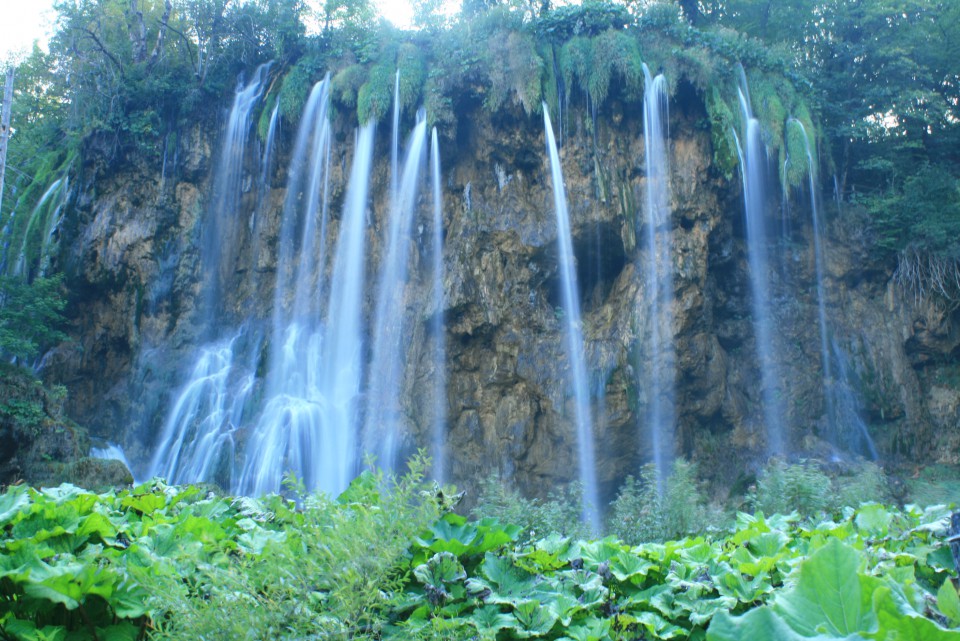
[(640, 513), (30, 315), (346, 84), (594, 63), (924, 215), (785, 487), (332, 569), (558, 514), (584, 19), (296, 87), (413, 74), (833, 599), (515, 70), (376, 95), (722, 125), (381, 562)]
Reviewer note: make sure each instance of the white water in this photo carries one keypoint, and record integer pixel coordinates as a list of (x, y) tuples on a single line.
[(220, 227), (660, 375), (825, 364), (845, 426), (385, 414), (197, 440), (753, 161), (112, 452), (58, 187), (574, 338), (438, 328), (288, 435)]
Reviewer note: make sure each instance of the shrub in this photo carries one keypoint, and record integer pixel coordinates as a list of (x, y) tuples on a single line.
[(30, 315), (640, 513), (865, 483), (783, 488), (376, 95), (538, 518)]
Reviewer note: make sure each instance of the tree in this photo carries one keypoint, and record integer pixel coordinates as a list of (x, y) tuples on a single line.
[(30, 315)]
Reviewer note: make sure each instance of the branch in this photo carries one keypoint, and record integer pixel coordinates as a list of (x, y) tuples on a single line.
[(158, 47), (106, 52)]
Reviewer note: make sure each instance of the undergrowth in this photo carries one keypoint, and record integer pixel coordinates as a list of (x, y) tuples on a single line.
[(388, 559)]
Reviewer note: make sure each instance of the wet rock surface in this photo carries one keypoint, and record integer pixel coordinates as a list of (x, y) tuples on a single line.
[(132, 262)]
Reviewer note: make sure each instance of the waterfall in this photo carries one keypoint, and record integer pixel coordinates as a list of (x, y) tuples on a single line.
[(825, 365), (658, 300), (384, 417), (753, 161), (59, 187), (288, 435), (845, 427), (849, 408), (221, 233), (395, 139), (574, 337), (308, 425), (197, 440), (438, 328)]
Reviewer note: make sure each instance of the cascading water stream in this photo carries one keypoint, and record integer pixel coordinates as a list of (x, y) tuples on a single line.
[(196, 442), (846, 429), (825, 364), (288, 435), (849, 407), (395, 141), (220, 228), (58, 188), (438, 328), (753, 158), (658, 301), (308, 425), (574, 337), (384, 417)]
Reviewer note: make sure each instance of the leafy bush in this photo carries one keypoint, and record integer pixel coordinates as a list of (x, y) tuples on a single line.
[(380, 562), (558, 514), (376, 95), (783, 488), (640, 513), (865, 483), (30, 315)]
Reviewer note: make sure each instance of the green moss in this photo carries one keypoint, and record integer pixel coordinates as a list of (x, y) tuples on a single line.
[(576, 57), (722, 125), (413, 74), (551, 93), (263, 123), (439, 105), (346, 83), (795, 152), (295, 89), (376, 95), (515, 71), (615, 52)]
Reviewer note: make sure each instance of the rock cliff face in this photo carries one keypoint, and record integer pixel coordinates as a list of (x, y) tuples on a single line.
[(132, 259)]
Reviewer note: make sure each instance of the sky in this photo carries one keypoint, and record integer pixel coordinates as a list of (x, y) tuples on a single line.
[(23, 21)]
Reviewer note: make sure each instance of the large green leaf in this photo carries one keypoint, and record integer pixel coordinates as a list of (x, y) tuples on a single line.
[(949, 603), (830, 597), (761, 624), (534, 619), (11, 503)]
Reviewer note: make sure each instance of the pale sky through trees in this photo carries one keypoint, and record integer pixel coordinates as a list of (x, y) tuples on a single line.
[(23, 21)]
